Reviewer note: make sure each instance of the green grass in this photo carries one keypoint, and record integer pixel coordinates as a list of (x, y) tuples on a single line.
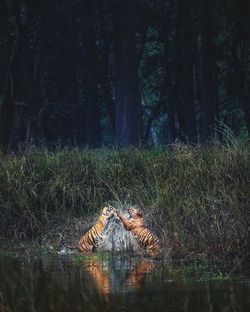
[(196, 198)]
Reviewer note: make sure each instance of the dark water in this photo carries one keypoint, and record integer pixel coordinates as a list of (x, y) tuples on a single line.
[(73, 283)]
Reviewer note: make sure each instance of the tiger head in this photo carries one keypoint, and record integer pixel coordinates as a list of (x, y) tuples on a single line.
[(107, 213), (135, 212)]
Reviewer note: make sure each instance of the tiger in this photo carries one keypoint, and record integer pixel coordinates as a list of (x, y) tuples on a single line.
[(89, 240), (136, 224)]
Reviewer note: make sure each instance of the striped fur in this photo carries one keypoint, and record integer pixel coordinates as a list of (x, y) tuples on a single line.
[(88, 241), (146, 238)]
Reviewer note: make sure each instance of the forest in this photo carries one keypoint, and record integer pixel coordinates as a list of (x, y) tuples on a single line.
[(118, 104), (123, 72)]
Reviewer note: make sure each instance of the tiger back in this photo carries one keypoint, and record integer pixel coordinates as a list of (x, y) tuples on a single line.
[(89, 240), (149, 240), (136, 224)]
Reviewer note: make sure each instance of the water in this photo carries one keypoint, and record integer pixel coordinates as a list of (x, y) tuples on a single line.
[(116, 239), (52, 282)]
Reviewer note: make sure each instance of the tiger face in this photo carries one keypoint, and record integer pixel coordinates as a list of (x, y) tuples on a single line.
[(135, 212), (107, 213)]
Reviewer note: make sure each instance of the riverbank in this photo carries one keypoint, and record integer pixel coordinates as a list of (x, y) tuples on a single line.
[(195, 198)]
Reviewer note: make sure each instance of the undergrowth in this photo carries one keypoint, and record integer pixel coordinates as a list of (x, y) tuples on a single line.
[(196, 198)]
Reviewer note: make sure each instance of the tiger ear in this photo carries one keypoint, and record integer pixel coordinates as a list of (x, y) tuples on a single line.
[(139, 213)]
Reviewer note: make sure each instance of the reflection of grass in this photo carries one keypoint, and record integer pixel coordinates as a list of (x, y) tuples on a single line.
[(197, 199), (204, 271), (193, 271), (201, 270), (95, 257), (7, 253)]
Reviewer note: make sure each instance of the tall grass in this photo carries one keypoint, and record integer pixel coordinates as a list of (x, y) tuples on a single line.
[(196, 198)]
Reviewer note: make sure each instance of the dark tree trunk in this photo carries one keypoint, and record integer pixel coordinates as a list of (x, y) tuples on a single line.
[(78, 131), (173, 105), (90, 65), (241, 60), (128, 128), (35, 84), (188, 106), (105, 76), (171, 111), (7, 116), (247, 115), (77, 60), (173, 72), (209, 103), (92, 122), (92, 114), (35, 100), (24, 78), (108, 99), (8, 110)]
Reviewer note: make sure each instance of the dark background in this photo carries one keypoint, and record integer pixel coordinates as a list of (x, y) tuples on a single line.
[(114, 72)]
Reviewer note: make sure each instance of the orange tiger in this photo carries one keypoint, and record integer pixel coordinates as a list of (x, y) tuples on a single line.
[(136, 225), (88, 241)]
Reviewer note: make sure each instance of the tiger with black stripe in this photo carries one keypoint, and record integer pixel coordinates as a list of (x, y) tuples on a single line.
[(136, 224), (88, 241)]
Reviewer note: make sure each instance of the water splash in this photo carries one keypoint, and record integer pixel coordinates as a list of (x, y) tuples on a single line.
[(66, 251), (116, 238)]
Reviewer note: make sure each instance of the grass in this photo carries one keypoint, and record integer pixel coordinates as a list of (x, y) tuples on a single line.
[(196, 198)]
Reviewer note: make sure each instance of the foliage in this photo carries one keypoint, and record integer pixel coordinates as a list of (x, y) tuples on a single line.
[(197, 199), (61, 86)]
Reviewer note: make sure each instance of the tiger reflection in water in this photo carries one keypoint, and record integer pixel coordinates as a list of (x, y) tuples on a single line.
[(136, 278), (99, 276)]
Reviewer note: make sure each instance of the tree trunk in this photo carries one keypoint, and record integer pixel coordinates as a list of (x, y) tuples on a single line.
[(128, 127), (188, 107), (7, 116), (174, 77), (90, 66), (8, 110), (35, 100), (209, 103), (105, 76)]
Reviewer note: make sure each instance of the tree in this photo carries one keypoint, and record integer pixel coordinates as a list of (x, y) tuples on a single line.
[(187, 118), (125, 72), (90, 76), (209, 100), (128, 126)]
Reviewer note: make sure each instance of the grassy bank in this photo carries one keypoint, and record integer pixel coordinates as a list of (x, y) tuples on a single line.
[(197, 199)]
